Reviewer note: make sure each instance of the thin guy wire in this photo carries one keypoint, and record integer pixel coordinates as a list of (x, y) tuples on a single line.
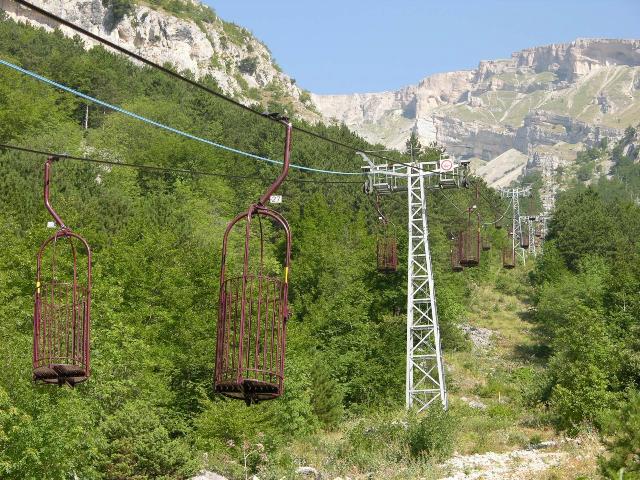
[(463, 212), (163, 126), (499, 219), (170, 72), (450, 201), (160, 169)]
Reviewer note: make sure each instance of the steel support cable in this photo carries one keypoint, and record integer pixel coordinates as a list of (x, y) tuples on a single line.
[(489, 201), (491, 205), (161, 169), (163, 126), (170, 72), (463, 212), (451, 202), (502, 216)]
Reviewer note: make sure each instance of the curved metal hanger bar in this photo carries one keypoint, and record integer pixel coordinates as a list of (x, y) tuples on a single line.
[(385, 221), (502, 216), (285, 164), (47, 202), (383, 218)]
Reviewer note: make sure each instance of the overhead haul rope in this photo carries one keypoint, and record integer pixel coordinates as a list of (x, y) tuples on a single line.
[(160, 169), (502, 216), (463, 212), (451, 201), (491, 205), (163, 126), (171, 73)]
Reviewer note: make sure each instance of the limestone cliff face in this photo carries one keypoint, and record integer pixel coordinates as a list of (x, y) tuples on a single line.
[(226, 52), (581, 57), (571, 93), (574, 92), (361, 107)]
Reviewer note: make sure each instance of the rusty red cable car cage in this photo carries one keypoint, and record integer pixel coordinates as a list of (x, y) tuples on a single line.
[(508, 257), (509, 253), (387, 253), (253, 308), (456, 253), (470, 236), (538, 231), (470, 241), (62, 310), (486, 242), (524, 236), (387, 244)]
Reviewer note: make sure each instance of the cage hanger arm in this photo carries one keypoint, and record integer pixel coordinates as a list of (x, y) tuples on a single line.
[(47, 201), (379, 210), (285, 164)]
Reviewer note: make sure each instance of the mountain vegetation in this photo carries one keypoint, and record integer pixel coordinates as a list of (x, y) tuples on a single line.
[(587, 301), (149, 412)]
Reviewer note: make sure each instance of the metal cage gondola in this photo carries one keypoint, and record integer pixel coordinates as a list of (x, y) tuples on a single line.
[(509, 253), (538, 231), (508, 257), (524, 236), (62, 307), (456, 253), (386, 245), (387, 253), (486, 244), (470, 241), (253, 307)]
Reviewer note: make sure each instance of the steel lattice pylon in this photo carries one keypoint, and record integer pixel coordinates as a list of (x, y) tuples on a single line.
[(425, 372), (532, 236), (425, 377), (515, 194)]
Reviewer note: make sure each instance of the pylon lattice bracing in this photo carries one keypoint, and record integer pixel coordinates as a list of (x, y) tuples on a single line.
[(425, 376)]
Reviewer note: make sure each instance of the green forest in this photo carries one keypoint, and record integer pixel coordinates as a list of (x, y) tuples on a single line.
[(149, 410)]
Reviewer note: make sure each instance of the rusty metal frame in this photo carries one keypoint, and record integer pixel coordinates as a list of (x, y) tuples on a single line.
[(234, 376), (386, 244), (456, 254), (50, 364)]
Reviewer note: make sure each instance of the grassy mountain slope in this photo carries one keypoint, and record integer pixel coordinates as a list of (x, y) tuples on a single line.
[(508, 105), (149, 412)]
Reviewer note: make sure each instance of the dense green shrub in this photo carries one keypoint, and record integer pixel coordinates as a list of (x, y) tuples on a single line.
[(186, 9), (326, 399), (139, 446), (375, 439), (622, 437), (248, 65), (433, 434), (119, 8)]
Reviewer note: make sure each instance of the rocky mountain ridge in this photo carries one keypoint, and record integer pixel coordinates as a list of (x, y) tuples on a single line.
[(561, 93), (541, 98), (241, 65)]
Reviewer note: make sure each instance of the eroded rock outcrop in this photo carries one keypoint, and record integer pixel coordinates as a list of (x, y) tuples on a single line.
[(539, 96), (226, 52)]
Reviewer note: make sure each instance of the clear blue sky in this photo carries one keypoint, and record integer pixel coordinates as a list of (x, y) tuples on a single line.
[(347, 46)]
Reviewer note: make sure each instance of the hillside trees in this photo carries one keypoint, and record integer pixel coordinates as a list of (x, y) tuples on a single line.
[(623, 440), (148, 409), (588, 305), (582, 224)]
